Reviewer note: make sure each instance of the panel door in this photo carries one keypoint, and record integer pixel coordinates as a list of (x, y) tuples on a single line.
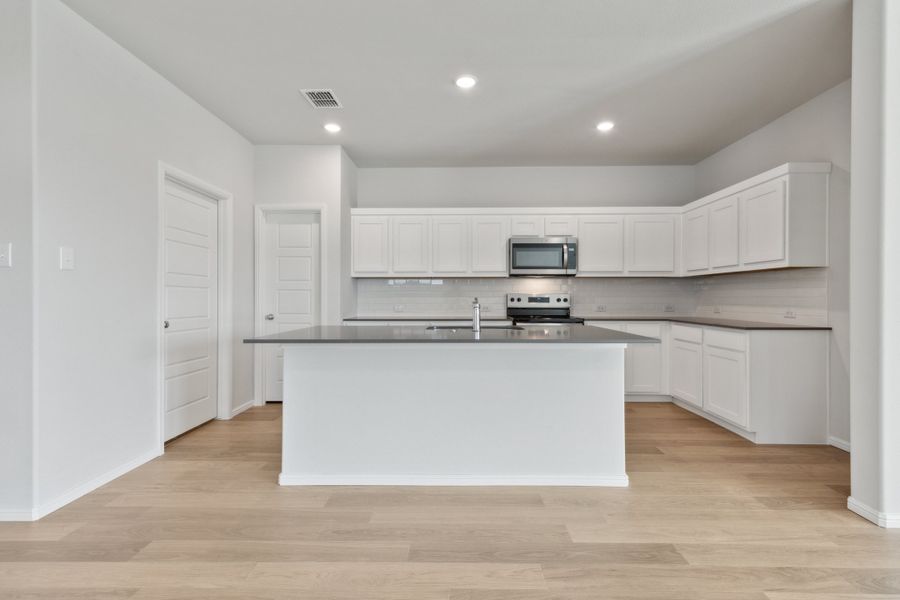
[(695, 234), (650, 243), (563, 225), (724, 235), (527, 225), (644, 362), (725, 384), (763, 223), (601, 245), (490, 237), (190, 310), (370, 238), (686, 371), (450, 245), (290, 287), (411, 251)]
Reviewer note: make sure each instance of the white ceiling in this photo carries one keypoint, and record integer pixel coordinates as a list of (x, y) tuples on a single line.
[(681, 78)]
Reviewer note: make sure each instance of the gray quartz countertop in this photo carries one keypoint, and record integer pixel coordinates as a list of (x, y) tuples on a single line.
[(339, 334), (708, 321), (714, 322)]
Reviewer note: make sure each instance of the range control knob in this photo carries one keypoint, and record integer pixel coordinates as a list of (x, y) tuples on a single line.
[(559, 299), (565, 299)]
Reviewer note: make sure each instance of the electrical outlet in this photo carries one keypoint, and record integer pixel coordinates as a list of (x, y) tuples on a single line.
[(398, 308), (601, 308), (6, 255), (789, 314), (670, 308)]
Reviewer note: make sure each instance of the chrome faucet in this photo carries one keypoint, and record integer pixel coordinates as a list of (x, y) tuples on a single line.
[(476, 316)]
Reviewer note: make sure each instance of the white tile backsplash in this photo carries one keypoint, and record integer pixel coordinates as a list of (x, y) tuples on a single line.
[(768, 296)]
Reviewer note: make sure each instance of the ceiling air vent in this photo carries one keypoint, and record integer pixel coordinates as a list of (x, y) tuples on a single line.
[(321, 98)]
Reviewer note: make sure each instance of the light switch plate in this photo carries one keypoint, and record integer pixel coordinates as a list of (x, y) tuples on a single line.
[(5, 255), (66, 258)]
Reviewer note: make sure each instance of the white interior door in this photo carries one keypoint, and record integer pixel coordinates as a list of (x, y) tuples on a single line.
[(190, 309), (290, 286)]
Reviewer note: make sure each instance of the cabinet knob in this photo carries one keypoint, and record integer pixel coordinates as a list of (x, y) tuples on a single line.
[(270, 317)]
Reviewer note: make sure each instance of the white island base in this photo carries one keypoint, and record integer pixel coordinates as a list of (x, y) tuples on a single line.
[(454, 414)]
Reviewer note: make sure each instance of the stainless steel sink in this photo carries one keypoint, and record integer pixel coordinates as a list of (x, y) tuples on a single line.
[(469, 327)]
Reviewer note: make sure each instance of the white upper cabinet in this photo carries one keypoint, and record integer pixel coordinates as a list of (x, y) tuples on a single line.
[(724, 236), (450, 245), (411, 252), (695, 229), (774, 220), (562, 225), (763, 214), (601, 245), (490, 237), (650, 241), (525, 226), (370, 246)]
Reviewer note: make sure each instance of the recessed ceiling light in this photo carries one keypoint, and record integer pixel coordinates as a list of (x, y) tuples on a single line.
[(466, 81), (605, 126), (332, 127)]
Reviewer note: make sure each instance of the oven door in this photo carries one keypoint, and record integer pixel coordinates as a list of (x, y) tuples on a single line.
[(542, 256)]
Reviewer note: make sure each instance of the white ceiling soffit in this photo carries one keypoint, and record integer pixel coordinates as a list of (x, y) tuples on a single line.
[(680, 78)]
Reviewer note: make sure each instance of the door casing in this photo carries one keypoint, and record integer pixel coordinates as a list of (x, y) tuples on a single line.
[(225, 202), (258, 326)]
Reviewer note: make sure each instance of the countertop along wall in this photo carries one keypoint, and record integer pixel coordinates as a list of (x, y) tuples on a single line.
[(104, 121)]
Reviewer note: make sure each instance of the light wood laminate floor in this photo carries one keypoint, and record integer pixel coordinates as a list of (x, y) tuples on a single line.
[(708, 516)]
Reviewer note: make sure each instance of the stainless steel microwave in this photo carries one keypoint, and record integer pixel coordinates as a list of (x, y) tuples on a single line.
[(543, 256)]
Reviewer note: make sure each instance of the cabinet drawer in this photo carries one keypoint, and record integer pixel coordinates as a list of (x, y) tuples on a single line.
[(687, 334), (730, 340)]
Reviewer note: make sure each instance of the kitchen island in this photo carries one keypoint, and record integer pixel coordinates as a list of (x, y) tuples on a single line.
[(409, 405)]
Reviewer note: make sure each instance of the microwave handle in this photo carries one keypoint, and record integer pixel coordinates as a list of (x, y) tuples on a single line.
[(565, 257)]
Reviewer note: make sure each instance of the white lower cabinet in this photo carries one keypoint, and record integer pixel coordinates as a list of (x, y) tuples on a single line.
[(686, 368), (725, 384), (645, 364), (769, 386)]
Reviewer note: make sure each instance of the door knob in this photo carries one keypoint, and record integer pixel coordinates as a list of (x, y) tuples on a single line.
[(165, 324), (270, 317)]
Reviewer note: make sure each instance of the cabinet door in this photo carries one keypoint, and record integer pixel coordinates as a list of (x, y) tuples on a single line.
[(370, 246), (411, 252), (696, 240), (650, 243), (763, 223), (686, 370), (530, 225), (725, 384), (601, 244), (450, 245), (564, 225), (644, 362), (490, 237), (724, 234)]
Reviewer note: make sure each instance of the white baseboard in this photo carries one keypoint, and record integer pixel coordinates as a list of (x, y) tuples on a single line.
[(483, 480), (78, 491), (16, 515), (882, 519), (748, 435), (839, 443), (246, 405), (647, 398)]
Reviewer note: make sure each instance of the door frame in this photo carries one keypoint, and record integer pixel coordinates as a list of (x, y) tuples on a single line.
[(224, 284), (260, 212)]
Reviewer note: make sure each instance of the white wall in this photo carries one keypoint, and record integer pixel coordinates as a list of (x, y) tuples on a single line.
[(526, 186), (104, 120), (875, 254), (349, 176), (818, 130), (313, 176), (16, 283)]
